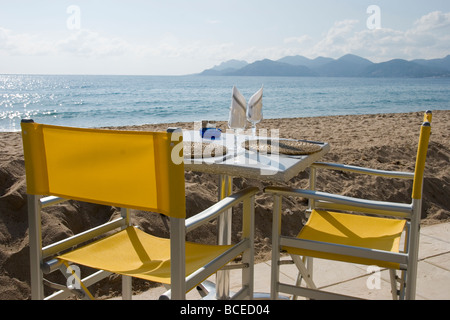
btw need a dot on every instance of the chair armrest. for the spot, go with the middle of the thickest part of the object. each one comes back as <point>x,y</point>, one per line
<point>362,170</point>
<point>215,210</point>
<point>391,208</point>
<point>367,253</point>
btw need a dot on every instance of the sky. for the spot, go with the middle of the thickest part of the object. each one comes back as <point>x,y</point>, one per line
<point>177,37</point>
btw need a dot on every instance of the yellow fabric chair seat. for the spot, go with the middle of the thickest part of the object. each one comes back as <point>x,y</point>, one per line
<point>135,253</point>
<point>351,230</point>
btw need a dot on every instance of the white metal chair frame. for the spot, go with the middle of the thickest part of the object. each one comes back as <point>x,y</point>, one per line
<point>42,261</point>
<point>408,259</point>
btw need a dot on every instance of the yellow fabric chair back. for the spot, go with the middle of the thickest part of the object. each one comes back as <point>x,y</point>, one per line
<point>425,132</point>
<point>130,169</point>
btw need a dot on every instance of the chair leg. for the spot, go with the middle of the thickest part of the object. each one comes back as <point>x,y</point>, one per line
<point>411,273</point>
<point>178,259</point>
<point>402,284</point>
<point>276,229</point>
<point>309,266</point>
<point>397,284</point>
<point>35,242</point>
<point>127,291</point>
<point>304,266</point>
<point>275,269</point>
<point>248,254</point>
<point>394,290</point>
<point>224,223</point>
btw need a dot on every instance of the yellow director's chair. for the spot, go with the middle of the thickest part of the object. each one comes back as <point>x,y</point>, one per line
<point>336,230</point>
<point>128,170</point>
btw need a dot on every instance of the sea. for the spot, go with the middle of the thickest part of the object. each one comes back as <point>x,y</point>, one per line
<point>104,100</point>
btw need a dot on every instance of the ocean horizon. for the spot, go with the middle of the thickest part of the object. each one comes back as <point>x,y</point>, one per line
<point>108,100</point>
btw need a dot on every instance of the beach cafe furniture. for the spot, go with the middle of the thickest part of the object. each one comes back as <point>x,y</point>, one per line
<point>266,158</point>
<point>335,231</point>
<point>128,170</point>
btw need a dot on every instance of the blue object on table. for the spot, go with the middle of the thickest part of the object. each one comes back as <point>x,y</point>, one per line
<point>210,133</point>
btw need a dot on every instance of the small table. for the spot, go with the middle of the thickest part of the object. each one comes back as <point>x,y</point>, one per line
<point>241,162</point>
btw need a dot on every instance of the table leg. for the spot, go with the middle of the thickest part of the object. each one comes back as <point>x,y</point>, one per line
<point>312,186</point>
<point>224,237</point>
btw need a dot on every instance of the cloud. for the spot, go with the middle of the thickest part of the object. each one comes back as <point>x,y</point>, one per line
<point>298,40</point>
<point>81,42</point>
<point>79,46</point>
<point>428,37</point>
<point>23,44</point>
<point>434,21</point>
<point>336,41</point>
<point>87,43</point>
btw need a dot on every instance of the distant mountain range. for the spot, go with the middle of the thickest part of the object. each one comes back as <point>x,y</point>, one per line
<point>347,66</point>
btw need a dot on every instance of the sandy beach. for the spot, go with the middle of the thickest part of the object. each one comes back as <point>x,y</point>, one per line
<point>382,141</point>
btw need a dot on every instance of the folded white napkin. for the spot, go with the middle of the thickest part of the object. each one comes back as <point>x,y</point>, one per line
<point>254,109</point>
<point>237,119</point>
